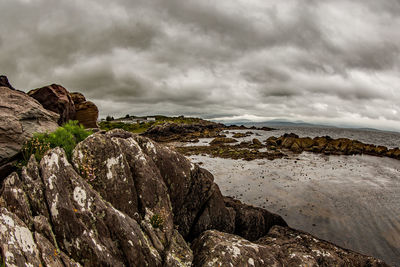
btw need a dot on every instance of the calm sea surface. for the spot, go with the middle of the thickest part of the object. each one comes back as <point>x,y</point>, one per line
<point>352,201</point>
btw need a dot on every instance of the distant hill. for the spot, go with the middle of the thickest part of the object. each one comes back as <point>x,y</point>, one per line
<point>279,123</point>
<point>288,123</point>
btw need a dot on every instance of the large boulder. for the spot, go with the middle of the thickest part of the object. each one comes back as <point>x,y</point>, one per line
<point>20,117</point>
<point>87,114</point>
<point>281,247</point>
<point>57,99</point>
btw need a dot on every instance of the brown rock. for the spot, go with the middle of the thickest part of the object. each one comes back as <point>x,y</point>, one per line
<point>57,99</point>
<point>239,135</point>
<point>394,153</point>
<point>257,142</point>
<point>381,150</point>
<point>87,114</point>
<point>222,140</point>
<point>77,97</point>
<point>5,83</point>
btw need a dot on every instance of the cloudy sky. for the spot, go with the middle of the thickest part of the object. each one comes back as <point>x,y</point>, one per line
<point>331,61</point>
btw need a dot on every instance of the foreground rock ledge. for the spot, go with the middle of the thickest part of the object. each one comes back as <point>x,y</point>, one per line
<point>127,201</point>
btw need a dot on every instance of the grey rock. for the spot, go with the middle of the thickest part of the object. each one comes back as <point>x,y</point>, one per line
<point>283,246</point>
<point>20,117</point>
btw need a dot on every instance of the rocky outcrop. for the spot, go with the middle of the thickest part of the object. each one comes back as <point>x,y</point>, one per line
<point>70,106</point>
<point>87,114</point>
<point>329,146</point>
<point>57,99</point>
<point>136,205</point>
<point>222,147</point>
<point>4,82</point>
<point>78,98</point>
<point>168,132</point>
<point>191,131</point>
<point>281,247</point>
<point>20,117</point>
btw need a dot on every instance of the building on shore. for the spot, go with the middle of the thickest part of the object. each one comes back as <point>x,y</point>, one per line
<point>134,120</point>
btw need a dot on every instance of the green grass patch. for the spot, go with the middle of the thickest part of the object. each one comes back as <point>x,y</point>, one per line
<point>157,221</point>
<point>66,137</point>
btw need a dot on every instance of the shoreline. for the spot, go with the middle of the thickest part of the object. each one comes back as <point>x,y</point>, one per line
<point>337,198</point>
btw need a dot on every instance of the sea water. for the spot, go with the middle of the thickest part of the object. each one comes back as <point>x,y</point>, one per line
<point>352,201</point>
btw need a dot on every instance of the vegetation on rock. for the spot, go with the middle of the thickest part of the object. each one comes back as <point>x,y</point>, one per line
<point>111,124</point>
<point>66,137</point>
<point>157,221</point>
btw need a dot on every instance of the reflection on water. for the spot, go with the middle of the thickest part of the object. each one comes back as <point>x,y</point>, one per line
<point>352,201</point>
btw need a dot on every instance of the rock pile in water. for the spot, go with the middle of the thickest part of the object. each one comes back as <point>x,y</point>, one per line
<point>329,146</point>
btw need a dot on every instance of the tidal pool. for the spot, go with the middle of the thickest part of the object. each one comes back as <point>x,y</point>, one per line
<point>352,201</point>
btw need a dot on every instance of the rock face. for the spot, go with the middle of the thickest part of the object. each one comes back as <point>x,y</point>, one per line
<point>281,247</point>
<point>70,106</point>
<point>78,97</point>
<point>20,117</point>
<point>57,99</point>
<point>87,114</point>
<point>138,205</point>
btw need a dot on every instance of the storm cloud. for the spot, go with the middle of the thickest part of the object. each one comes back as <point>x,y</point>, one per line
<point>333,61</point>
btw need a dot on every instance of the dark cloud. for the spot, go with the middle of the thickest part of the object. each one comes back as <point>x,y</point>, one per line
<point>334,60</point>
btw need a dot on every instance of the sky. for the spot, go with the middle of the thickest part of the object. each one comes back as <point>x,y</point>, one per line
<point>321,61</point>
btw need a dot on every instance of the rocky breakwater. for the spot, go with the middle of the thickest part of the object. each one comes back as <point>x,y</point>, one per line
<point>140,204</point>
<point>20,117</point>
<point>329,146</point>
<point>70,106</point>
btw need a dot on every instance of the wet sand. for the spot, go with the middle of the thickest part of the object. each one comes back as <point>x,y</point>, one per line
<point>353,201</point>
